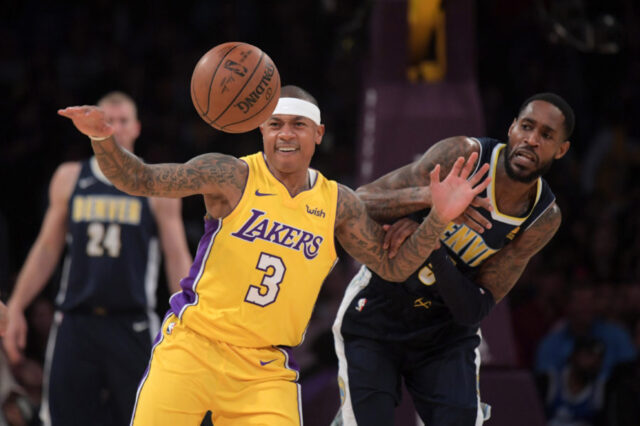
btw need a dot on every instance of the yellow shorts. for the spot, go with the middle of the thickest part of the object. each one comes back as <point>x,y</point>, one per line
<point>189,375</point>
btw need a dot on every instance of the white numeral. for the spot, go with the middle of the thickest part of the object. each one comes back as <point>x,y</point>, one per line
<point>274,270</point>
<point>99,240</point>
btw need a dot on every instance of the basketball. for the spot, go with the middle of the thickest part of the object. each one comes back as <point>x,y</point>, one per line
<point>235,87</point>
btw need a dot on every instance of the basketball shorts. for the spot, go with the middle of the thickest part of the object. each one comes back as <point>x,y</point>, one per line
<point>189,374</point>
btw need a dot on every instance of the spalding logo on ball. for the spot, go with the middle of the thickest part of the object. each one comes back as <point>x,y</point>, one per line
<point>235,87</point>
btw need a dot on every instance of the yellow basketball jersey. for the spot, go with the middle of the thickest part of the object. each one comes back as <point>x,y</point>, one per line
<point>258,271</point>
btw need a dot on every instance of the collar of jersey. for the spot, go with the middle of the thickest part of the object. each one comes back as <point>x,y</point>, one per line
<point>311,174</point>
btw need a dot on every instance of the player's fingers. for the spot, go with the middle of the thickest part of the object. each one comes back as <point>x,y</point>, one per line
<point>457,167</point>
<point>387,236</point>
<point>479,175</point>
<point>469,165</point>
<point>470,223</point>
<point>69,112</point>
<point>482,202</point>
<point>482,186</point>
<point>435,174</point>
<point>403,232</point>
<point>478,218</point>
<point>10,347</point>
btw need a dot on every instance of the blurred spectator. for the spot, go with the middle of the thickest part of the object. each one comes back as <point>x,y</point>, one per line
<point>622,403</point>
<point>574,395</point>
<point>581,321</point>
<point>535,317</point>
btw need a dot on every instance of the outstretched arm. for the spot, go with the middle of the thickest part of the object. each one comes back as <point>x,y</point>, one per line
<point>213,174</point>
<point>406,190</point>
<point>363,238</point>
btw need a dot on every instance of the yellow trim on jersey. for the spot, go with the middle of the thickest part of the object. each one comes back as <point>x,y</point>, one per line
<point>491,192</point>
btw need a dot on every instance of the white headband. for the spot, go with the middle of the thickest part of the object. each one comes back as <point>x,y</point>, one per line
<point>295,106</point>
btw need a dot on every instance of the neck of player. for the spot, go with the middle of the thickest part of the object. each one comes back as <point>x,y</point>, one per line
<point>512,197</point>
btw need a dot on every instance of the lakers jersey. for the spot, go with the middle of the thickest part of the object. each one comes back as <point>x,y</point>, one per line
<point>414,310</point>
<point>258,271</point>
<point>113,253</point>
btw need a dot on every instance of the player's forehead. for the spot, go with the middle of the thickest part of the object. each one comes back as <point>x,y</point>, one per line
<point>544,113</point>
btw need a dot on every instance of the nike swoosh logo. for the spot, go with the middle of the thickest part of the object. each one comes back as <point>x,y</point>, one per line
<point>86,182</point>
<point>263,363</point>
<point>262,194</point>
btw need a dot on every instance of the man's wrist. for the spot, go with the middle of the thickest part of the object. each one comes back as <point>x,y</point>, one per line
<point>436,221</point>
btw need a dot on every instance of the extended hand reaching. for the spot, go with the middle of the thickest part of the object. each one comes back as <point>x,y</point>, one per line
<point>451,197</point>
<point>89,120</point>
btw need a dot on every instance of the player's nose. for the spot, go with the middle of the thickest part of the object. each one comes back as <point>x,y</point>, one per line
<point>286,132</point>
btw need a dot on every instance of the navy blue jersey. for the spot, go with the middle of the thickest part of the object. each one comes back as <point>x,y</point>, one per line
<point>112,248</point>
<point>414,311</point>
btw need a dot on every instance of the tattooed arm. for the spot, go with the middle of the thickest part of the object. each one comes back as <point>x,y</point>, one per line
<point>363,238</point>
<point>215,175</point>
<point>406,189</point>
<point>501,271</point>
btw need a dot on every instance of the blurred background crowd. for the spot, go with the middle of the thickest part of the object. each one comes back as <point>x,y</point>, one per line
<point>584,288</point>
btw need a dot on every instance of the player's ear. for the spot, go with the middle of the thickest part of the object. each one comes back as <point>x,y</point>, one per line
<point>564,147</point>
<point>319,134</point>
<point>513,126</point>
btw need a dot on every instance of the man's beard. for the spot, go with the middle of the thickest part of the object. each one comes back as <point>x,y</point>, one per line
<point>519,177</point>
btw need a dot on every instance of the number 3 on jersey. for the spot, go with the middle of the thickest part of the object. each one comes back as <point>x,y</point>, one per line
<point>274,270</point>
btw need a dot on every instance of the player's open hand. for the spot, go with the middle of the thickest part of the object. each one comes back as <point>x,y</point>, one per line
<point>89,120</point>
<point>451,197</point>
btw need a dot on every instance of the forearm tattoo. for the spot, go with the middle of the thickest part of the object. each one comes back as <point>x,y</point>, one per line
<point>402,192</point>
<point>127,172</point>
<point>363,239</point>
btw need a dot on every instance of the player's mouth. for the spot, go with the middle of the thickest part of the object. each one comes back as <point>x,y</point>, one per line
<point>287,149</point>
<point>524,157</point>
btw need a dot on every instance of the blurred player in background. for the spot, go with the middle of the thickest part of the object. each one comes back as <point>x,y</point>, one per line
<point>101,337</point>
<point>427,330</point>
<point>267,247</point>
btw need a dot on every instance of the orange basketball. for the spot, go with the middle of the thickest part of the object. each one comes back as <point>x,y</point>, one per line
<point>235,87</point>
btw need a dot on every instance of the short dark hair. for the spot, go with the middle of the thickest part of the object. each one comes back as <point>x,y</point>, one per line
<point>558,102</point>
<point>291,91</point>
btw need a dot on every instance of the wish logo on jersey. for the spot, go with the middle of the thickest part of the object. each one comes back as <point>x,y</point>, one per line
<point>275,232</point>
